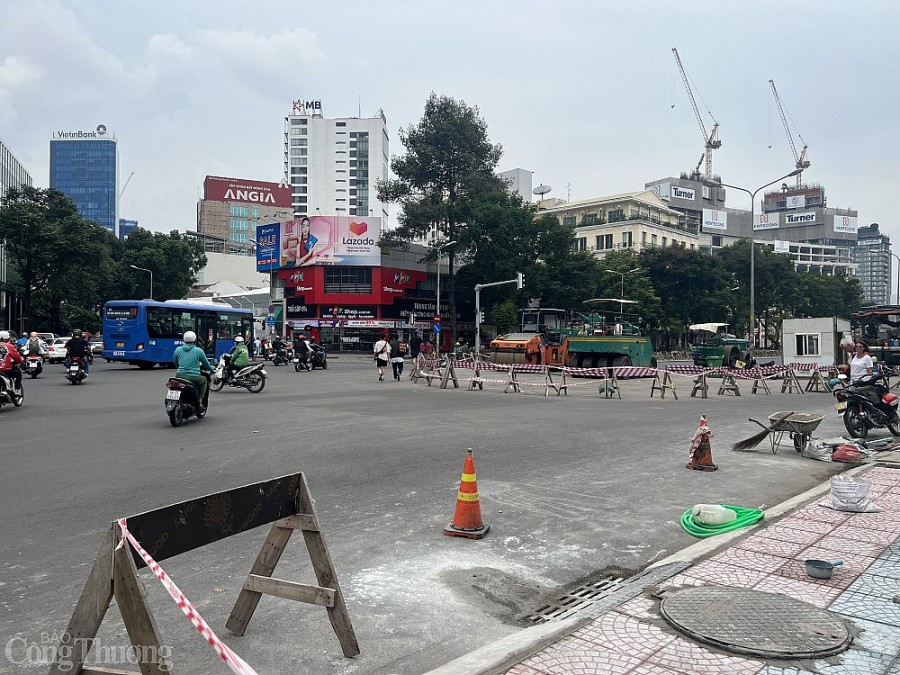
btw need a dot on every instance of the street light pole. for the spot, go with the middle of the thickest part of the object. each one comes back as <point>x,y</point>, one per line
<point>150,272</point>
<point>437,312</point>
<point>622,296</point>
<point>752,328</point>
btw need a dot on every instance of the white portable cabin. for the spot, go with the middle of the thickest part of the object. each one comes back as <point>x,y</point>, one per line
<point>815,341</point>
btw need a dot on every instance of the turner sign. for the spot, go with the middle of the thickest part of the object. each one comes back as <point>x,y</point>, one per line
<point>219,189</point>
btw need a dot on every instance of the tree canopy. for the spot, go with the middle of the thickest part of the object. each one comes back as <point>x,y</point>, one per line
<point>65,267</point>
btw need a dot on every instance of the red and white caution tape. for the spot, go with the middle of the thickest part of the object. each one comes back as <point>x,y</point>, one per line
<point>235,663</point>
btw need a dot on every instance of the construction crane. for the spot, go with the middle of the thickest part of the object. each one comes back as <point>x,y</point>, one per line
<point>127,181</point>
<point>711,141</point>
<point>801,161</point>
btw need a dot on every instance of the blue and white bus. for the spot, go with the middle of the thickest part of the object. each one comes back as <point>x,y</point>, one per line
<point>145,332</point>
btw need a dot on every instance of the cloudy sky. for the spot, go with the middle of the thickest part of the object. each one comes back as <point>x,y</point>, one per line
<point>584,93</point>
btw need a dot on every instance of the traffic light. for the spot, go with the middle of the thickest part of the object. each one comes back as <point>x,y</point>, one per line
<point>520,280</point>
<point>480,317</point>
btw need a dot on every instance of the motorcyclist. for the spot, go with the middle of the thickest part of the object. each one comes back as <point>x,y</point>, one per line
<point>303,350</point>
<point>189,359</point>
<point>79,347</point>
<point>278,348</point>
<point>10,360</point>
<point>35,346</point>
<point>861,365</point>
<point>239,357</point>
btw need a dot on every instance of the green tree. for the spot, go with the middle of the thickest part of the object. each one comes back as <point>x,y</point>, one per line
<point>61,258</point>
<point>173,258</point>
<point>506,317</point>
<point>448,159</point>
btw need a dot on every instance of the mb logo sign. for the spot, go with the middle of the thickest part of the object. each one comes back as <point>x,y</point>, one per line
<point>307,107</point>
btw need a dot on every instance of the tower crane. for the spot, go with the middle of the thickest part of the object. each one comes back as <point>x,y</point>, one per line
<point>800,161</point>
<point>711,141</point>
<point>127,181</point>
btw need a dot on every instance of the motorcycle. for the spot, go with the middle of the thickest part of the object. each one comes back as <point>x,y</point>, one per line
<point>252,377</point>
<point>34,365</point>
<point>183,400</point>
<point>867,404</point>
<point>75,370</point>
<point>7,393</point>
<point>319,357</point>
<point>281,357</point>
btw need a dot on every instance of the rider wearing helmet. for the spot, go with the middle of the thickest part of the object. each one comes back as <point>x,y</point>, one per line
<point>302,350</point>
<point>239,357</point>
<point>188,360</point>
<point>9,357</point>
<point>79,347</point>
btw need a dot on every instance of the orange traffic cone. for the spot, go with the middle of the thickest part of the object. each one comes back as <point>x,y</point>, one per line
<point>467,518</point>
<point>700,452</point>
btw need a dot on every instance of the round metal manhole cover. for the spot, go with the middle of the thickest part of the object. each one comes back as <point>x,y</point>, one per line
<point>755,623</point>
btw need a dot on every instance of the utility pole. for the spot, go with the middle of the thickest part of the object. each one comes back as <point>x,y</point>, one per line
<point>519,281</point>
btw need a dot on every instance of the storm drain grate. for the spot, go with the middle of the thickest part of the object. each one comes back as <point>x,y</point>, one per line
<point>576,600</point>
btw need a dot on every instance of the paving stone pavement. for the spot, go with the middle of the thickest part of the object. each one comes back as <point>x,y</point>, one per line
<point>632,639</point>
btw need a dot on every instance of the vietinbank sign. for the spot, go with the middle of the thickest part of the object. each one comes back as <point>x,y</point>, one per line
<point>99,132</point>
<point>319,240</point>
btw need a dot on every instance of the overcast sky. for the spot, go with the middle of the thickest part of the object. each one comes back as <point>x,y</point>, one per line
<point>584,93</point>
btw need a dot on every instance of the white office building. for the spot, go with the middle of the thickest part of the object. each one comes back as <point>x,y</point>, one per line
<point>12,175</point>
<point>333,164</point>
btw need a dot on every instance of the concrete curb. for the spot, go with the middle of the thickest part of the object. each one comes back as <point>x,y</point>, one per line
<point>500,656</point>
<point>503,654</point>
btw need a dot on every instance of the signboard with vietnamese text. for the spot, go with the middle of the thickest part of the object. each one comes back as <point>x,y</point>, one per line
<point>221,189</point>
<point>267,239</point>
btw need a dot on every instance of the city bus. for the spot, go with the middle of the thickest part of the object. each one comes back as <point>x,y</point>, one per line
<point>145,332</point>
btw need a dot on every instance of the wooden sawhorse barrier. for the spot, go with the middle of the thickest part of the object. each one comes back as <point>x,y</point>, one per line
<point>790,383</point>
<point>729,385</point>
<point>178,528</point>
<point>661,384</point>
<point>560,387</point>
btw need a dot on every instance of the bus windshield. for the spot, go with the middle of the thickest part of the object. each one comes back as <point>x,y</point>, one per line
<point>145,332</point>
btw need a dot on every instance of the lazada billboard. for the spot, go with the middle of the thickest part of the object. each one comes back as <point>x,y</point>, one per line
<point>321,240</point>
<point>220,189</point>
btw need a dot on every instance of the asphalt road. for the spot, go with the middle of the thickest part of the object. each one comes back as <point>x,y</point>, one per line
<point>571,486</point>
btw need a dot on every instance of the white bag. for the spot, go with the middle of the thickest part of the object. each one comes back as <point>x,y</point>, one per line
<point>851,494</point>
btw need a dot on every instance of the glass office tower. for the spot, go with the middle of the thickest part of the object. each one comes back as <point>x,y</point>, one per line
<point>85,170</point>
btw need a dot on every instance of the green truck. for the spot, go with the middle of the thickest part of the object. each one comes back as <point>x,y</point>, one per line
<point>716,347</point>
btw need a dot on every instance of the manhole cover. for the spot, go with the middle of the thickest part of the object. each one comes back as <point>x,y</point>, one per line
<point>755,623</point>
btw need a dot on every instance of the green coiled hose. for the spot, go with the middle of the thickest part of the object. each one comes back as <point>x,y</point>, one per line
<point>745,517</point>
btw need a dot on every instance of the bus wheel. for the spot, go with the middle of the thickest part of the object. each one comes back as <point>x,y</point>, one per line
<point>143,365</point>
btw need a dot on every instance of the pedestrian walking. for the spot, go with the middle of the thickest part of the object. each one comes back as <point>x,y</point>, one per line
<point>398,350</point>
<point>415,345</point>
<point>382,350</point>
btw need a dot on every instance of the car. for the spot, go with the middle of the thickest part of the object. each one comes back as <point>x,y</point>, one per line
<point>47,337</point>
<point>96,343</point>
<point>56,350</point>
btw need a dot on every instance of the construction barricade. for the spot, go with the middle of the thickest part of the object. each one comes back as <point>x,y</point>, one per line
<point>149,537</point>
<point>817,375</point>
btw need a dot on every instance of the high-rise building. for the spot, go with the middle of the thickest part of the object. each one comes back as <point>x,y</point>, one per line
<point>332,165</point>
<point>126,227</point>
<point>872,257</point>
<point>84,166</point>
<point>12,174</point>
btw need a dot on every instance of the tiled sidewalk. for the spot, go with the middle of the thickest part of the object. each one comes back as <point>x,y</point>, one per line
<point>634,639</point>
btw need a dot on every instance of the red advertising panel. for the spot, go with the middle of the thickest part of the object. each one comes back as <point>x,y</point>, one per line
<point>220,189</point>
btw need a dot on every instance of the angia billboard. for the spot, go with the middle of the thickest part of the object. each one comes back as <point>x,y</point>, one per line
<point>221,189</point>
<point>330,240</point>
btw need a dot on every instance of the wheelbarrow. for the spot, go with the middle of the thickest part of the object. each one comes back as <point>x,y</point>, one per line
<point>799,427</point>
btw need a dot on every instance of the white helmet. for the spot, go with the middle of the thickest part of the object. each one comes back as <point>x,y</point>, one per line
<point>190,336</point>
<point>239,339</point>
<point>4,335</point>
